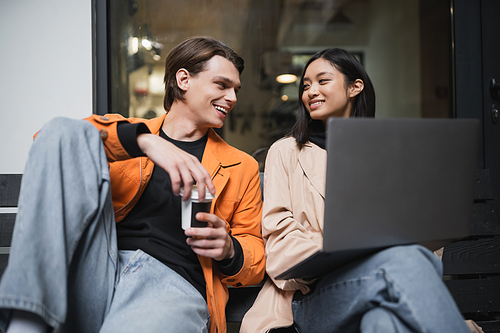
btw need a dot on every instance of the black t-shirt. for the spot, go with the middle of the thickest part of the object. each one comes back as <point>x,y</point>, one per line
<point>154,224</point>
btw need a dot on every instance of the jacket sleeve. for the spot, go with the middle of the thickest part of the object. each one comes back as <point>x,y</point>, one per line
<point>245,227</point>
<point>115,145</point>
<point>287,241</point>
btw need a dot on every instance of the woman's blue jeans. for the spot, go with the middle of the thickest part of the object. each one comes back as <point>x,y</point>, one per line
<point>64,265</point>
<point>396,290</point>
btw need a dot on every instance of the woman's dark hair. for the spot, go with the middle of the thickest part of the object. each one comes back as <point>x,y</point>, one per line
<point>364,103</point>
<point>192,55</point>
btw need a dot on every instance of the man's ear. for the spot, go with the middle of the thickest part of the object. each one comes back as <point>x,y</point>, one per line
<point>182,77</point>
<point>356,87</point>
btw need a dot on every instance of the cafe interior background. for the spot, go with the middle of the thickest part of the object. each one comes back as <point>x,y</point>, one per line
<point>405,46</point>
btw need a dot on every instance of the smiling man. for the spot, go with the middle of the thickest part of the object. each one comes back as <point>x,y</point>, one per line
<point>86,273</point>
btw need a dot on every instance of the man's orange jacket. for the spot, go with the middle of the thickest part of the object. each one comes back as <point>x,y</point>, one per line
<point>238,201</point>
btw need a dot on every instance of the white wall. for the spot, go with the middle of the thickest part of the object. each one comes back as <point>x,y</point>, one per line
<point>46,70</point>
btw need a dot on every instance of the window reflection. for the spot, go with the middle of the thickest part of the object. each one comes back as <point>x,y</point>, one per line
<point>404,46</point>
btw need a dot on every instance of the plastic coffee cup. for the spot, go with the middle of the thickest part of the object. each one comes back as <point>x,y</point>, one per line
<point>191,207</point>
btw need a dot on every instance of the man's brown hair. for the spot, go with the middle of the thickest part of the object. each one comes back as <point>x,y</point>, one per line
<point>192,55</point>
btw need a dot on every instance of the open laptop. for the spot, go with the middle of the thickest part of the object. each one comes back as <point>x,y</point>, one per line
<point>392,182</point>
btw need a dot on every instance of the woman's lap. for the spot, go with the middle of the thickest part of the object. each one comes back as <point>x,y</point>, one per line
<point>405,282</point>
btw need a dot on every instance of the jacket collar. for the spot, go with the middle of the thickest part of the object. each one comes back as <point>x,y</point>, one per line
<point>216,160</point>
<point>218,152</point>
<point>312,160</point>
<point>154,124</point>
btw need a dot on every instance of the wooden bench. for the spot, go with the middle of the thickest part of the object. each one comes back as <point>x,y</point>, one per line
<point>241,299</point>
<point>471,266</point>
<point>9,192</point>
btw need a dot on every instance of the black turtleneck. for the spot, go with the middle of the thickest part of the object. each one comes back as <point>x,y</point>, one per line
<point>319,139</point>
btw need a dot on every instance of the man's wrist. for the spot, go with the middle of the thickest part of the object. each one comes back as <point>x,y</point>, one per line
<point>233,265</point>
<point>230,254</point>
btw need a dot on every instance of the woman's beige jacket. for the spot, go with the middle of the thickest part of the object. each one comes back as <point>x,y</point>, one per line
<point>292,227</point>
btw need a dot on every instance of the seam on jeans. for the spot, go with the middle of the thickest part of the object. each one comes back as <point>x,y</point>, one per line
<point>136,262</point>
<point>131,264</point>
<point>207,324</point>
<point>394,289</point>
<point>84,227</point>
<point>108,231</point>
<point>112,250</point>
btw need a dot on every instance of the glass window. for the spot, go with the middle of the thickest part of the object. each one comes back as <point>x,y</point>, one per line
<point>405,47</point>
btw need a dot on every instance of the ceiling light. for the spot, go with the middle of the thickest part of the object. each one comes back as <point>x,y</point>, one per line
<point>286,78</point>
<point>147,44</point>
<point>133,45</point>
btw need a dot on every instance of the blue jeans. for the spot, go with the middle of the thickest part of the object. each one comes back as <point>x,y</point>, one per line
<point>151,297</point>
<point>64,264</point>
<point>396,290</point>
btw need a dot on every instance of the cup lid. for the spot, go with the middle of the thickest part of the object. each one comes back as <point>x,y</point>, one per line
<point>194,193</point>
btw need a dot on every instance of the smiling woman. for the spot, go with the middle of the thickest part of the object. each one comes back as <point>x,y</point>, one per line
<point>326,92</point>
<point>334,84</point>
